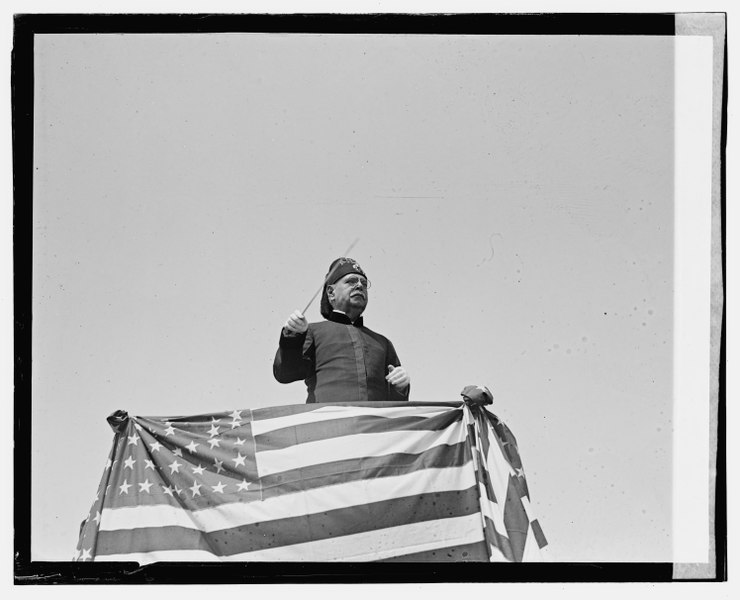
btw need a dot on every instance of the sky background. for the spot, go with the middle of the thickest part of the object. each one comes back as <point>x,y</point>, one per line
<point>512,197</point>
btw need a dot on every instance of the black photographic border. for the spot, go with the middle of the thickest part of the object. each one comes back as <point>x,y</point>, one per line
<point>22,81</point>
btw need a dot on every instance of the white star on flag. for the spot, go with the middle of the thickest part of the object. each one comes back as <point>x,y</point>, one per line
<point>133,439</point>
<point>237,414</point>
<point>177,452</point>
<point>170,430</point>
<point>235,424</point>
<point>175,467</point>
<point>214,443</point>
<point>243,485</point>
<point>195,489</point>
<point>218,488</point>
<point>85,554</point>
<point>218,464</point>
<point>149,464</point>
<point>239,442</point>
<point>156,446</point>
<point>124,487</point>
<point>129,462</point>
<point>213,430</point>
<point>192,446</point>
<point>167,490</point>
<point>144,487</point>
<point>239,460</point>
<point>198,470</point>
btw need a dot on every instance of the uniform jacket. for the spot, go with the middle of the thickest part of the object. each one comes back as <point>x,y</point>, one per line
<point>339,361</point>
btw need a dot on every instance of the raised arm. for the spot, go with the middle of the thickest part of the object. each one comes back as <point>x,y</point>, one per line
<point>293,360</point>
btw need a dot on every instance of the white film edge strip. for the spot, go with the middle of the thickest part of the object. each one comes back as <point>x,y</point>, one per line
<point>691,317</point>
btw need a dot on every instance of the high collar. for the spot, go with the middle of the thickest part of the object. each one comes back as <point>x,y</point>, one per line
<point>340,317</point>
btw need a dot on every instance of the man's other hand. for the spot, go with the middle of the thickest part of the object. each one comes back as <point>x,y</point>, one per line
<point>296,324</point>
<point>398,378</point>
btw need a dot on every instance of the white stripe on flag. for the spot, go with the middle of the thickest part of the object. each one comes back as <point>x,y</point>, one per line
<point>498,469</point>
<point>531,548</point>
<point>317,500</point>
<point>360,445</point>
<point>328,413</point>
<point>495,512</point>
<point>145,558</point>
<point>369,545</point>
<point>496,554</point>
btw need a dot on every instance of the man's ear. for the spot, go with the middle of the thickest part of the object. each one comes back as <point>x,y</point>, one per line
<point>330,292</point>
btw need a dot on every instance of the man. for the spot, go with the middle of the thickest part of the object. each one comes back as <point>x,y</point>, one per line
<point>340,359</point>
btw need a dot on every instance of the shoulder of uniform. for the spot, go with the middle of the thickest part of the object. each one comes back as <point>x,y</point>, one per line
<point>322,325</point>
<point>375,334</point>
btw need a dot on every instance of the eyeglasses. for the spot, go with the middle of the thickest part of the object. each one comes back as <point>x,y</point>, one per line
<point>353,281</point>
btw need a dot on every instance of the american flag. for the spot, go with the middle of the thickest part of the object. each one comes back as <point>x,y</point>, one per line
<point>405,481</point>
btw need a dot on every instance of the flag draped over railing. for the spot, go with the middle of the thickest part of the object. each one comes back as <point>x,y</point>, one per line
<point>407,481</point>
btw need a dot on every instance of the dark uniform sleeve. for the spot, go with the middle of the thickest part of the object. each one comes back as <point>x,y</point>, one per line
<point>294,358</point>
<point>391,358</point>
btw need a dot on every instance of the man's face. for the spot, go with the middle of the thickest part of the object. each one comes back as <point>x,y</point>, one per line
<point>349,293</point>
